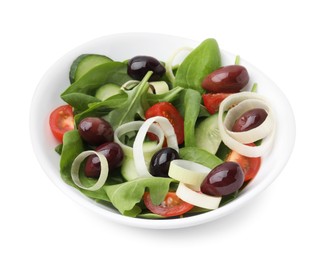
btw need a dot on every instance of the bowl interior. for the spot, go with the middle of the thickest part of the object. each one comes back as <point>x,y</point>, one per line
<point>124,46</point>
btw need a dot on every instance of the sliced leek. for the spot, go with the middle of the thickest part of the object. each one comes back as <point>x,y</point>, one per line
<point>195,198</point>
<point>103,173</point>
<point>188,172</point>
<point>237,141</point>
<point>135,126</point>
<point>138,153</point>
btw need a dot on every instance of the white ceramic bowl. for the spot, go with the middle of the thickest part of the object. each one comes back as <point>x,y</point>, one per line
<point>124,46</point>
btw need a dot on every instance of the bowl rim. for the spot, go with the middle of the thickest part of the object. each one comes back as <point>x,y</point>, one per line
<point>150,223</point>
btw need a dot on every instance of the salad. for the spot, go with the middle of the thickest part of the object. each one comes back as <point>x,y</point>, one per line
<point>154,139</point>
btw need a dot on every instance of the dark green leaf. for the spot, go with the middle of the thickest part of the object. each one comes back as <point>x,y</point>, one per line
<point>110,72</point>
<point>169,96</point>
<point>102,108</point>
<point>200,156</point>
<point>133,106</point>
<point>73,146</point>
<point>198,64</point>
<point>126,196</point>
<point>79,101</point>
<point>191,104</point>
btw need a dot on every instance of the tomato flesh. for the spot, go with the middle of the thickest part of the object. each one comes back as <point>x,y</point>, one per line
<point>171,206</point>
<point>249,165</point>
<point>61,121</point>
<point>167,110</point>
<point>212,101</point>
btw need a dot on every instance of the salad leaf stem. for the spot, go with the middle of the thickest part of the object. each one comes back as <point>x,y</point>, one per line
<point>191,103</point>
<point>134,105</point>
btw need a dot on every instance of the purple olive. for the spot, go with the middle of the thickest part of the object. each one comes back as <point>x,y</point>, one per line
<point>228,79</point>
<point>114,155</point>
<point>95,131</point>
<point>224,179</point>
<point>249,120</point>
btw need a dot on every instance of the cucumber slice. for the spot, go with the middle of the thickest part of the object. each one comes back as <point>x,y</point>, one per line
<point>84,63</point>
<point>208,135</point>
<point>128,168</point>
<point>107,90</point>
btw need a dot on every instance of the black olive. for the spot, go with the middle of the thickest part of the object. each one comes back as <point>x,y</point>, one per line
<point>138,67</point>
<point>160,162</point>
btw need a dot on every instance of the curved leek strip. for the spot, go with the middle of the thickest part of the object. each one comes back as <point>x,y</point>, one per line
<point>254,134</point>
<point>230,141</point>
<point>130,84</point>
<point>103,174</point>
<point>188,172</point>
<point>169,62</point>
<point>138,154</point>
<point>135,126</point>
<point>158,87</point>
<point>197,199</point>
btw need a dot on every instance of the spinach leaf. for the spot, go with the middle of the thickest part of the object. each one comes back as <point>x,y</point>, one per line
<point>72,146</point>
<point>228,198</point>
<point>200,156</point>
<point>198,64</point>
<point>191,103</point>
<point>134,105</point>
<point>79,101</point>
<point>110,72</point>
<point>102,108</point>
<point>223,151</point>
<point>165,97</point>
<point>126,196</point>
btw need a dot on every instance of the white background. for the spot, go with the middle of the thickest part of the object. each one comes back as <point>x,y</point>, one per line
<point>285,39</point>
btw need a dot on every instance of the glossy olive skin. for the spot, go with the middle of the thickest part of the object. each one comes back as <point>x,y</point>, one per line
<point>138,66</point>
<point>249,120</point>
<point>113,154</point>
<point>227,79</point>
<point>95,131</point>
<point>224,179</point>
<point>160,162</point>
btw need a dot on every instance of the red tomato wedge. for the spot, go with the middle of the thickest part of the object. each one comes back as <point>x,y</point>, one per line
<point>171,206</point>
<point>212,101</point>
<point>61,121</point>
<point>168,111</point>
<point>249,165</point>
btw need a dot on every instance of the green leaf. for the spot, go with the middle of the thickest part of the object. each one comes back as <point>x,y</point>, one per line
<point>228,198</point>
<point>200,156</point>
<point>198,64</point>
<point>110,72</point>
<point>165,97</point>
<point>72,146</point>
<point>126,196</point>
<point>79,101</point>
<point>191,103</point>
<point>102,108</point>
<point>134,105</point>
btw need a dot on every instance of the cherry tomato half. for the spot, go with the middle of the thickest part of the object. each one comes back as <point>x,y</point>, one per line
<point>168,111</point>
<point>171,206</point>
<point>61,121</point>
<point>249,165</point>
<point>212,101</point>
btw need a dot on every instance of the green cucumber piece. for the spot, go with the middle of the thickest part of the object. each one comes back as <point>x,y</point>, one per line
<point>208,135</point>
<point>84,63</point>
<point>108,90</point>
<point>128,168</point>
